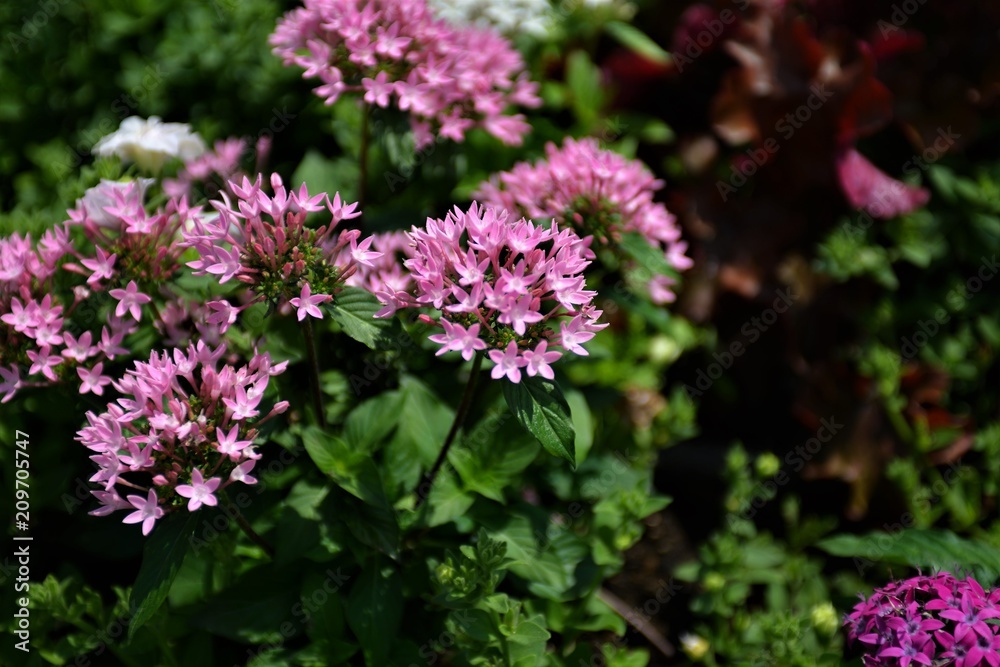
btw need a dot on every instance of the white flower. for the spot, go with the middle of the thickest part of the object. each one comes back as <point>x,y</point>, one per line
<point>509,17</point>
<point>103,195</point>
<point>150,143</point>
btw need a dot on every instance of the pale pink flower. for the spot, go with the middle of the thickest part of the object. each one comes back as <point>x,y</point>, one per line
<point>200,491</point>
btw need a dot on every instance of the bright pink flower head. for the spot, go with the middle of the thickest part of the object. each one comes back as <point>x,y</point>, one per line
<point>395,53</point>
<point>599,193</point>
<point>509,288</point>
<point>262,241</point>
<point>927,620</point>
<point>185,424</point>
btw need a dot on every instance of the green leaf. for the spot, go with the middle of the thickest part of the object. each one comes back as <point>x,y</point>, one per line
<point>583,423</point>
<point>373,521</point>
<point>373,420</point>
<point>541,408</point>
<point>637,41</point>
<point>930,549</point>
<point>647,256</point>
<point>583,78</point>
<point>255,605</point>
<point>328,175</point>
<point>374,612</point>
<point>354,310</point>
<point>161,560</point>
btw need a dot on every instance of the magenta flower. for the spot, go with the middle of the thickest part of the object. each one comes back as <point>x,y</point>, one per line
<point>927,620</point>
<point>130,300</point>
<point>599,193</point>
<point>199,491</point>
<point>394,52</point>
<point>147,510</point>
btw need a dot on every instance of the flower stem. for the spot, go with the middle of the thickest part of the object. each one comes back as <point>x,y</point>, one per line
<point>424,490</point>
<point>317,395</point>
<point>245,526</point>
<point>363,158</point>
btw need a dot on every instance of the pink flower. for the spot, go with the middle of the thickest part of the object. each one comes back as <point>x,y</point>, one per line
<point>223,314</point>
<point>44,363</point>
<point>458,338</point>
<point>92,379</point>
<point>508,363</point>
<point>309,304</point>
<point>537,361</point>
<point>229,443</point>
<point>130,300</point>
<point>11,382</point>
<point>199,491</point>
<point>147,511</point>
<point>241,473</point>
<point>103,266</point>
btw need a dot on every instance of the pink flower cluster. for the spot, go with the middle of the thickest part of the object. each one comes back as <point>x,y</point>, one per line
<point>183,431</point>
<point>264,242</point>
<point>600,193</point>
<point>385,276</point>
<point>928,620</point>
<point>449,79</point>
<point>501,286</point>
<point>67,334</point>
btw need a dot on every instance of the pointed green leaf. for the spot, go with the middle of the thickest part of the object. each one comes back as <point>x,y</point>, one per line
<point>649,257</point>
<point>161,560</point>
<point>637,41</point>
<point>920,548</point>
<point>541,408</point>
<point>354,310</point>
<point>375,611</point>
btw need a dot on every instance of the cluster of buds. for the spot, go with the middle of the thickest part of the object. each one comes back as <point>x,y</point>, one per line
<point>183,431</point>
<point>263,242</point>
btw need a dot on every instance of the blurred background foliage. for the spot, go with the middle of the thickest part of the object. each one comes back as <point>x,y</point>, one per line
<point>892,332</point>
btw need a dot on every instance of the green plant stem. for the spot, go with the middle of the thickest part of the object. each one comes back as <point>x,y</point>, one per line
<point>317,395</point>
<point>363,157</point>
<point>424,490</point>
<point>245,526</point>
